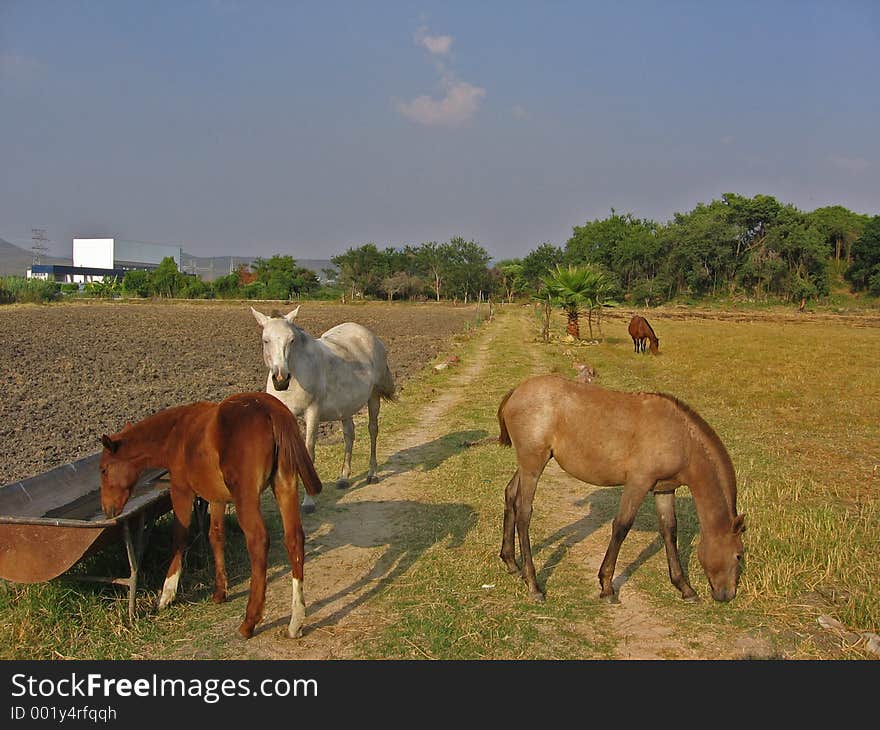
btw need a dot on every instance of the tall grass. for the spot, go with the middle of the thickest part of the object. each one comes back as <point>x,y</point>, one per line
<point>27,291</point>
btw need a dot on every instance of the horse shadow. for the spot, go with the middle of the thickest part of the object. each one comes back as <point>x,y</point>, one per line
<point>444,522</point>
<point>601,508</point>
<point>427,525</point>
<point>425,456</point>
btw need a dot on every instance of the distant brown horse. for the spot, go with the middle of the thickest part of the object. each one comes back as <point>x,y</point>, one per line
<point>644,441</point>
<point>642,333</point>
<point>222,452</point>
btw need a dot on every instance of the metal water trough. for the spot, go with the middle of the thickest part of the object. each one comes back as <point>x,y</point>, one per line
<point>50,522</point>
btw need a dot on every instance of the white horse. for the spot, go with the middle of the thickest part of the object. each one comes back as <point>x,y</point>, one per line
<point>328,379</point>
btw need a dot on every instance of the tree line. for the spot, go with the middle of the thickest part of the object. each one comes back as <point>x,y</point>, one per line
<point>736,246</point>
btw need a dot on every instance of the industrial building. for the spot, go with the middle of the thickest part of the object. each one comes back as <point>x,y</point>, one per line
<point>97,258</point>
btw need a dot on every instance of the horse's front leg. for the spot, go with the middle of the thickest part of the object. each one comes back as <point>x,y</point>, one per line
<point>632,497</point>
<point>182,504</point>
<point>348,439</point>
<point>508,549</point>
<point>664,503</point>
<point>373,425</point>
<point>247,508</point>
<point>311,419</point>
<point>216,536</point>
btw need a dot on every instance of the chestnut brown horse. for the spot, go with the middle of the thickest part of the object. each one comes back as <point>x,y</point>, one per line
<point>222,452</point>
<point>642,333</point>
<point>643,441</point>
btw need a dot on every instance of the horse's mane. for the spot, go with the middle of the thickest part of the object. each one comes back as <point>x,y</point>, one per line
<point>650,329</point>
<point>714,446</point>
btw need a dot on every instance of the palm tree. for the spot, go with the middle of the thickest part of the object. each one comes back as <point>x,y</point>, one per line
<point>576,289</point>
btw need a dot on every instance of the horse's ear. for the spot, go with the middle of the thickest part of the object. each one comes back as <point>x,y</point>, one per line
<point>109,443</point>
<point>290,316</point>
<point>260,317</point>
<point>739,524</point>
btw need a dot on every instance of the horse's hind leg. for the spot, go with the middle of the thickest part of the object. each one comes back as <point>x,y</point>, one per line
<point>630,499</point>
<point>348,439</point>
<point>182,503</point>
<point>664,503</point>
<point>373,425</point>
<point>528,483</point>
<point>248,510</point>
<point>508,548</point>
<point>216,536</point>
<point>294,541</point>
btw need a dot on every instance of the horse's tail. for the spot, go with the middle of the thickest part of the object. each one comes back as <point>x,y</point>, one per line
<point>387,388</point>
<point>503,436</point>
<point>293,456</point>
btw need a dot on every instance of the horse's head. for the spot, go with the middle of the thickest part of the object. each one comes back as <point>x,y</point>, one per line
<point>278,336</point>
<point>118,476</point>
<point>721,556</point>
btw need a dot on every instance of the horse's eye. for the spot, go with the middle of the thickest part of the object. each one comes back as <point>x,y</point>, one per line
<point>739,557</point>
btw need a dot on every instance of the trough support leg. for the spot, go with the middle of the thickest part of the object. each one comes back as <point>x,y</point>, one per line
<point>134,547</point>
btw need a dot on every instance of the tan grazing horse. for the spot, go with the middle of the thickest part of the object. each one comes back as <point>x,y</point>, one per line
<point>222,452</point>
<point>642,333</point>
<point>643,441</point>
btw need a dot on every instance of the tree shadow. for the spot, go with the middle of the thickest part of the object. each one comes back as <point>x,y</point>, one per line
<point>601,507</point>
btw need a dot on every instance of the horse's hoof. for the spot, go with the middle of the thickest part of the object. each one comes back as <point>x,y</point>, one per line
<point>246,631</point>
<point>219,597</point>
<point>514,570</point>
<point>297,634</point>
<point>537,597</point>
<point>308,509</point>
<point>691,599</point>
<point>611,599</point>
<point>343,484</point>
<point>373,479</point>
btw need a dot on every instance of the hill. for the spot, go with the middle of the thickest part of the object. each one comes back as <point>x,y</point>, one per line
<point>15,261</point>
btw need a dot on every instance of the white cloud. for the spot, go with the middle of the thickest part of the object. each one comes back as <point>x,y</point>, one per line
<point>460,100</point>
<point>438,45</point>
<point>849,164</point>
<point>458,105</point>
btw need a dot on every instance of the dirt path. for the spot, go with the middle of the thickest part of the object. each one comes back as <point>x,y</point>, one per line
<point>352,554</point>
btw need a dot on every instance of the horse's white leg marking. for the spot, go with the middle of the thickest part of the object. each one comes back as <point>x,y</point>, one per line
<point>348,439</point>
<point>297,611</point>
<point>169,589</point>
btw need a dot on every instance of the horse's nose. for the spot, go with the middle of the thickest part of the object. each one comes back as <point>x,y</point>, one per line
<point>111,511</point>
<point>280,382</point>
<point>724,595</point>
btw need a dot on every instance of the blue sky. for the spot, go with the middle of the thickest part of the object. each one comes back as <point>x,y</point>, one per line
<point>305,128</point>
